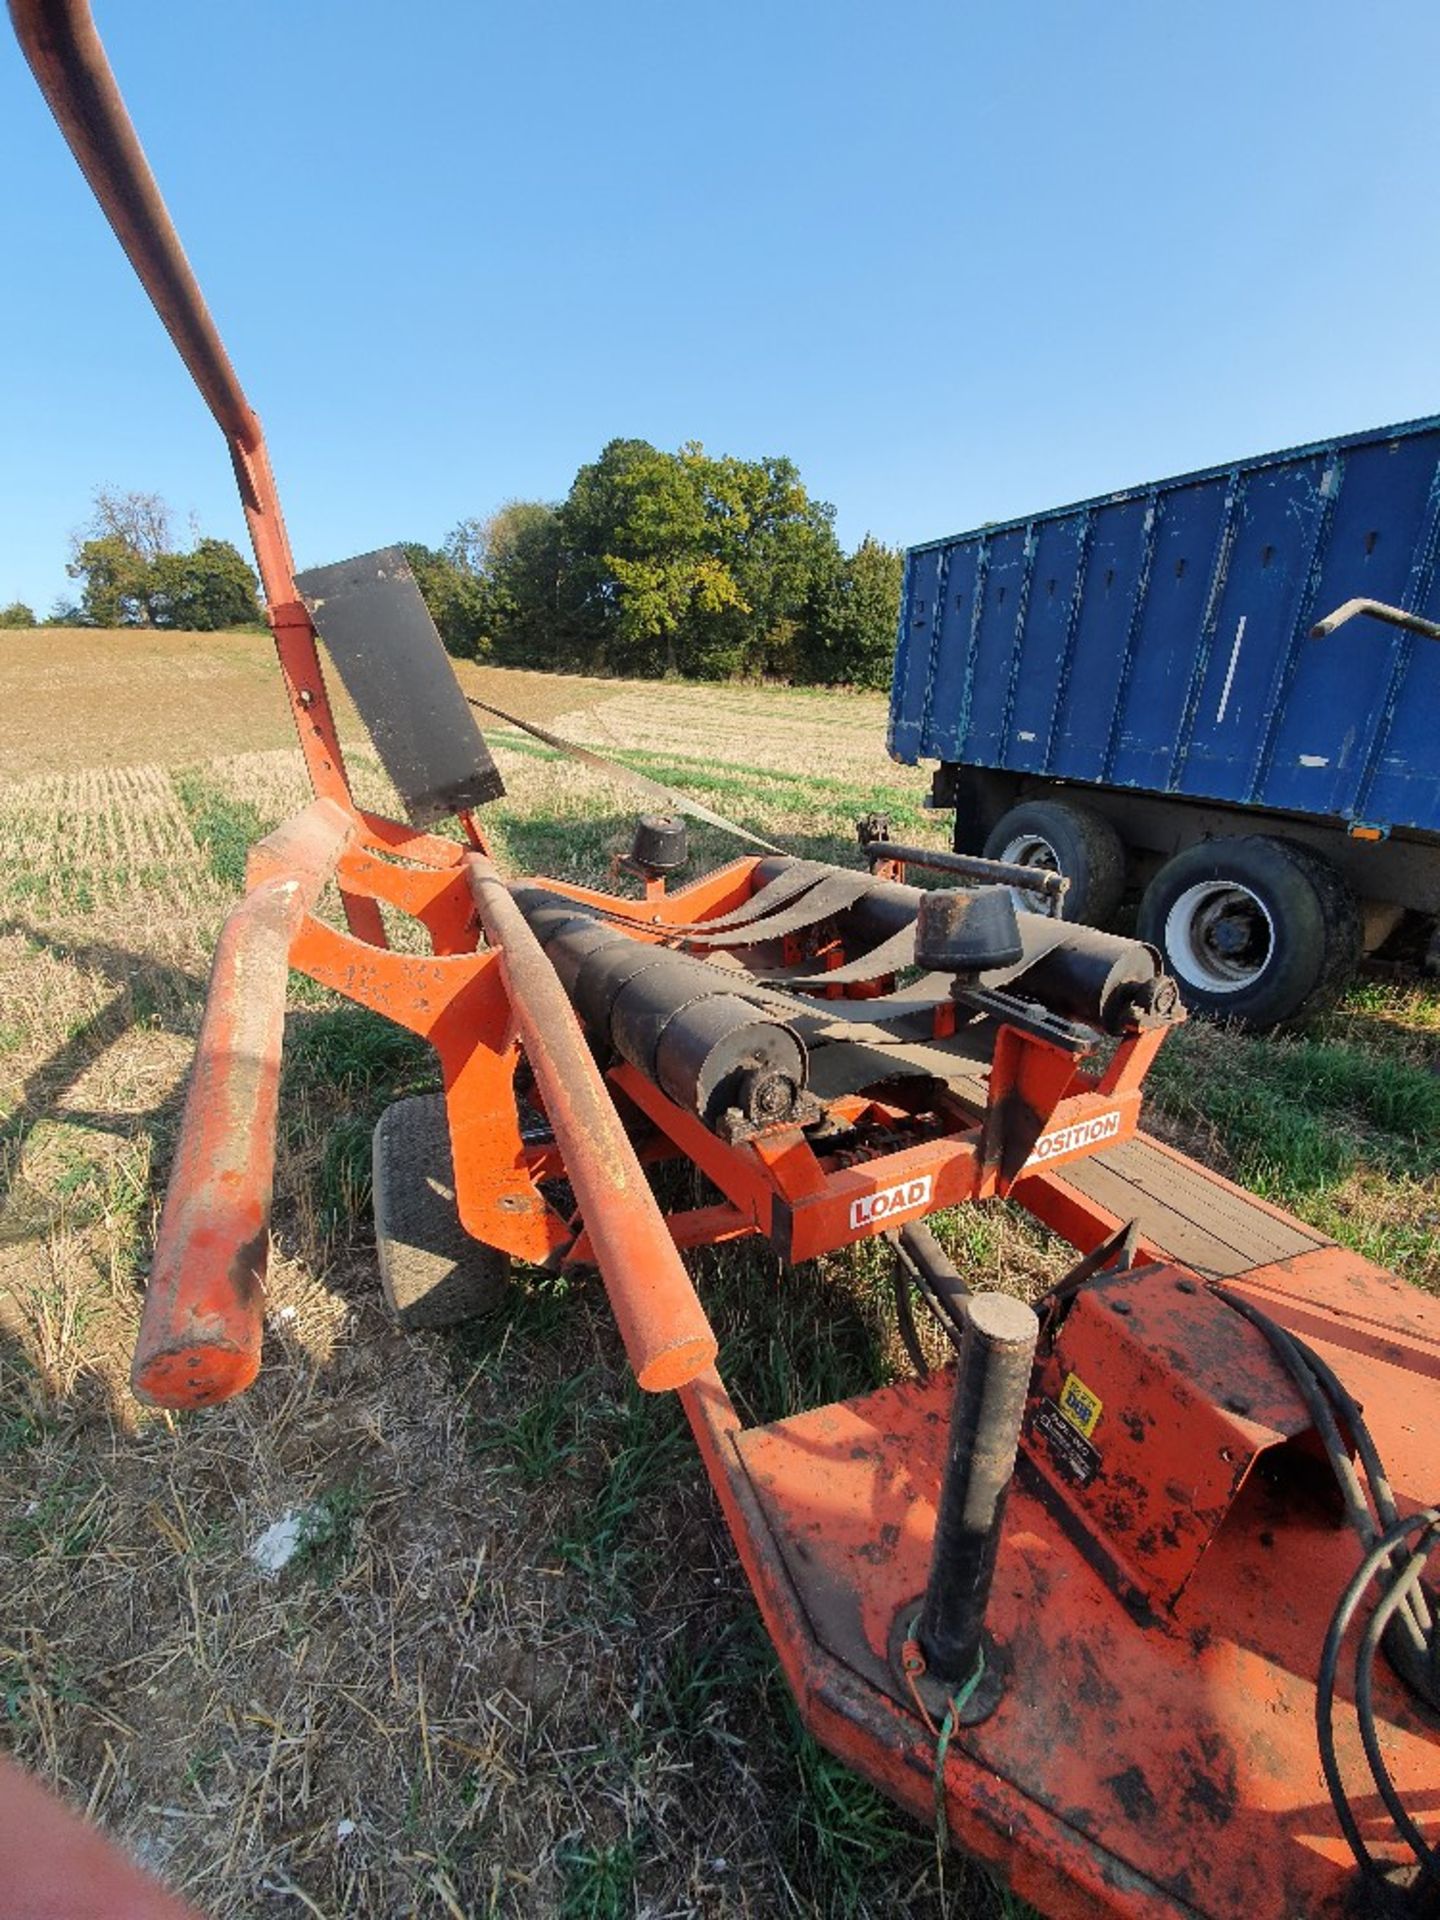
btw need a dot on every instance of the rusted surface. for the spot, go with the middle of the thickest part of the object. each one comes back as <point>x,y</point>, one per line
<point>59,40</point>
<point>667,1336</point>
<point>1065,1871</point>
<point>1175,1748</point>
<point>200,1331</point>
<point>1188,1401</point>
<point>204,1307</point>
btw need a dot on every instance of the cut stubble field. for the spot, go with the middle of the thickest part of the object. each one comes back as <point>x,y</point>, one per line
<point>510,1665</point>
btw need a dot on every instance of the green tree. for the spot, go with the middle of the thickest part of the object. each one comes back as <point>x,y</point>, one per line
<point>455,596</point>
<point>116,583</point>
<point>210,588</point>
<point>532,583</point>
<point>854,616</point>
<point>132,576</point>
<point>680,562</point>
<point>17,614</point>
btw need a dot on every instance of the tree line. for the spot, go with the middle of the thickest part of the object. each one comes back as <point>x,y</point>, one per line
<point>655,563</point>
<point>662,563</point>
<point>132,573</point>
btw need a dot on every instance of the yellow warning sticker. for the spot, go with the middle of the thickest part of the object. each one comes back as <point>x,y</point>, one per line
<point>1080,1406</point>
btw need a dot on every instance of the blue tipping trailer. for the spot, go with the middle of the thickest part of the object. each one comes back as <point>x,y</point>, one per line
<point>1143,659</point>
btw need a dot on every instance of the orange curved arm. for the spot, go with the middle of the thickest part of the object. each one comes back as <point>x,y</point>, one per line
<point>59,40</point>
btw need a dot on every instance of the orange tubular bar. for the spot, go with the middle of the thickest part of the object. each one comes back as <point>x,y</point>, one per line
<point>204,1310</point>
<point>59,40</point>
<point>667,1336</point>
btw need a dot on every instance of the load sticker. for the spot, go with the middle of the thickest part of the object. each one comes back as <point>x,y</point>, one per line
<point>905,1198</point>
<point>1083,1133</point>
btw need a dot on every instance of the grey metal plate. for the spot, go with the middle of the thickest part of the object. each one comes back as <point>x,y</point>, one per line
<point>1196,1220</point>
<point>378,631</point>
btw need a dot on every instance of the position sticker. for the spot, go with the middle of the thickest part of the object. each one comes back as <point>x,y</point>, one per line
<point>1072,1452</point>
<point>1084,1133</point>
<point>1080,1406</point>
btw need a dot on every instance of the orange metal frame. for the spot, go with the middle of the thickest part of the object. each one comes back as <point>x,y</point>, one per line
<point>201,1340</point>
<point>1152,1753</point>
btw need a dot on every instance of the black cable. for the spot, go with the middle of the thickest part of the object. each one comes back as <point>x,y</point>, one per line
<point>905,1320</point>
<point>920,1256</point>
<point>1411,1651</point>
<point>1408,1582</point>
<point>1428,1519</point>
<point>1118,1246</point>
<point>1322,1394</point>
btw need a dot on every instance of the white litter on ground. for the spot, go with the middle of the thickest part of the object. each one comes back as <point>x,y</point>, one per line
<point>279,1543</point>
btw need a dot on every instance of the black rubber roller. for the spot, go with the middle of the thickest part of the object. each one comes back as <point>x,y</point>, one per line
<point>649,1001</point>
<point>568,947</point>
<point>602,974</point>
<point>722,1052</point>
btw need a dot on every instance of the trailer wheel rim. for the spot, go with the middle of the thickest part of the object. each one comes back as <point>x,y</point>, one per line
<point>1032,850</point>
<point>1219,936</point>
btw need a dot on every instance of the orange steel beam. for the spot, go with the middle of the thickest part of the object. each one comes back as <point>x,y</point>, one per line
<point>667,1336</point>
<point>204,1312</point>
<point>59,40</point>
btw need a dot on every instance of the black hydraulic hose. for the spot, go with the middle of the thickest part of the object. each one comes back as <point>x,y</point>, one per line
<point>919,1254</point>
<point>1312,1379</point>
<point>1400,1590</point>
<point>1427,1519</point>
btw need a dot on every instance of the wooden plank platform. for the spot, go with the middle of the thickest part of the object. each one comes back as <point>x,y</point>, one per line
<point>1193,1215</point>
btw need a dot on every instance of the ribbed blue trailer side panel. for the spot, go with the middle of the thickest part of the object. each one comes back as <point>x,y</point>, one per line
<point>1158,638</point>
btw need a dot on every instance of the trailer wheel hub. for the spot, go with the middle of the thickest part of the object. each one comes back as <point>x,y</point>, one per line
<point>1219,936</point>
<point>1031,850</point>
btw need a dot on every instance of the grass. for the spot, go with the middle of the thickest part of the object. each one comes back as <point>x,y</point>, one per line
<point>1338,1125</point>
<point>225,829</point>
<point>514,1667</point>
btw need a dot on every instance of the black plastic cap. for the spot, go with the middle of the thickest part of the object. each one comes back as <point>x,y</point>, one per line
<point>661,844</point>
<point>967,932</point>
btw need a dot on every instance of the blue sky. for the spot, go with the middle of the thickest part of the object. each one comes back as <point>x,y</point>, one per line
<point>959,262</point>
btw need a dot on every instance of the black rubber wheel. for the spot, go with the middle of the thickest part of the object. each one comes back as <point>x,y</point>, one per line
<point>1254,929</point>
<point>433,1273</point>
<point>1063,837</point>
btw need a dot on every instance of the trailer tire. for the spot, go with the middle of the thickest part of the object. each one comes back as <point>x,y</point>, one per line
<point>433,1273</point>
<point>1254,928</point>
<point>1060,836</point>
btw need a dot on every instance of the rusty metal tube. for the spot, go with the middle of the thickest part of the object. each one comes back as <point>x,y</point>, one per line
<point>667,1336</point>
<point>201,1328</point>
<point>970,866</point>
<point>205,1305</point>
<point>59,40</point>
<point>991,1381</point>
